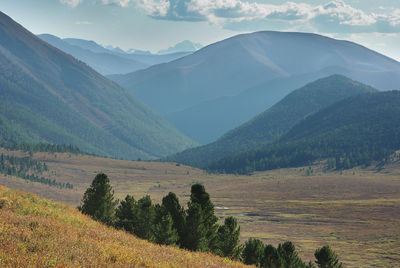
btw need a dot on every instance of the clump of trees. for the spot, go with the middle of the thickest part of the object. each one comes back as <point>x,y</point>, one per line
<point>286,256</point>
<point>28,169</point>
<point>42,147</point>
<point>195,228</point>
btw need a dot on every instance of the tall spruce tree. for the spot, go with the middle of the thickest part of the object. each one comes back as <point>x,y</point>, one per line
<point>145,218</point>
<point>195,230</point>
<point>171,203</point>
<point>208,219</point>
<point>163,231</point>
<point>271,258</point>
<point>253,251</point>
<point>98,200</point>
<point>228,239</point>
<point>126,214</point>
<point>327,258</point>
<point>289,255</point>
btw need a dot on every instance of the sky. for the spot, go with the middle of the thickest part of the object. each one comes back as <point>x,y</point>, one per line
<point>158,24</point>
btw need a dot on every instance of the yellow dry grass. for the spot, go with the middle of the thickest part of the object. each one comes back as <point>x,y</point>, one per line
<point>36,232</point>
<point>356,212</point>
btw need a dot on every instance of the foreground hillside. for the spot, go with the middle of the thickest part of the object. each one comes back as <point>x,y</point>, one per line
<point>38,232</point>
<point>49,96</point>
<point>275,121</point>
<point>354,211</point>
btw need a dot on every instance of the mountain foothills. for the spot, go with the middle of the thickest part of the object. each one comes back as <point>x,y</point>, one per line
<point>109,61</point>
<point>275,121</point>
<point>226,83</point>
<point>49,96</point>
<point>353,132</point>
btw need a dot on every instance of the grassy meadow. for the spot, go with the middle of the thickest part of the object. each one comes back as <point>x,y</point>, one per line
<point>356,211</point>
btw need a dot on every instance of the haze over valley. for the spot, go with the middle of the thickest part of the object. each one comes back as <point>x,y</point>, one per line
<point>199,133</point>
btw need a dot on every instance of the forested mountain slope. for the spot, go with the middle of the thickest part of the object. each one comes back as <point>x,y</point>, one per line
<point>351,132</point>
<point>275,121</point>
<point>49,96</point>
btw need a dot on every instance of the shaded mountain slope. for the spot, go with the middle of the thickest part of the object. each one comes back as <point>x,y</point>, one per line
<point>225,113</point>
<point>187,87</point>
<point>49,96</point>
<point>355,131</point>
<point>275,121</point>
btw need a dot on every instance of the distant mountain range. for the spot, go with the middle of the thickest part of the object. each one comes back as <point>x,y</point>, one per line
<point>270,125</point>
<point>109,60</point>
<point>353,132</point>
<point>187,46</point>
<point>97,57</point>
<point>49,96</point>
<point>223,85</point>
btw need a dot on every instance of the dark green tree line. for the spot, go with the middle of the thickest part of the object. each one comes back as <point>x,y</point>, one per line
<point>28,169</point>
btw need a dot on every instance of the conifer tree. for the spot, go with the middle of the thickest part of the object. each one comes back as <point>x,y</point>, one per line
<point>271,258</point>
<point>163,231</point>
<point>98,200</point>
<point>195,230</point>
<point>145,218</point>
<point>171,203</point>
<point>327,258</point>
<point>228,239</point>
<point>208,219</point>
<point>253,251</point>
<point>289,255</point>
<point>126,214</point>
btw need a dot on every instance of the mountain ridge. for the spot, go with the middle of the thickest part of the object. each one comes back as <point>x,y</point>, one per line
<point>52,97</point>
<point>269,125</point>
<point>187,87</point>
<point>355,131</point>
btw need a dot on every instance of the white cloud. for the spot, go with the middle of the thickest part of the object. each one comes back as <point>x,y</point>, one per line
<point>151,7</point>
<point>336,15</point>
<point>71,3</point>
<point>122,3</point>
<point>157,8</point>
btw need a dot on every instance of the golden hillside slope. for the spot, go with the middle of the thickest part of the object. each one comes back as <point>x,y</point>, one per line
<point>37,232</point>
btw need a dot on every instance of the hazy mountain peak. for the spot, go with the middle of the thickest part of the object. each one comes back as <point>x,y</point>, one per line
<point>138,51</point>
<point>86,44</point>
<point>185,45</point>
<point>224,84</point>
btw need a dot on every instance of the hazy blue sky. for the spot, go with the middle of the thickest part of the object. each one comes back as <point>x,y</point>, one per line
<point>158,24</point>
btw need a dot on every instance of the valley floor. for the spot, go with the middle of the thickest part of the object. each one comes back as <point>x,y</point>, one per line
<point>356,212</point>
